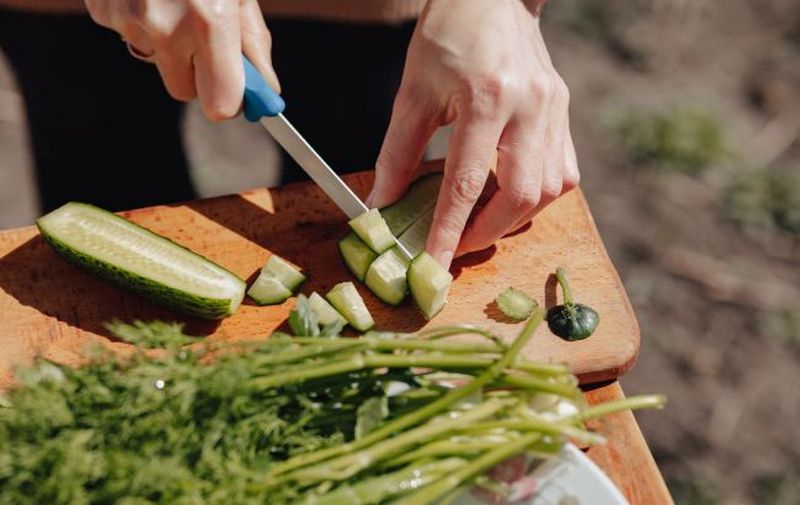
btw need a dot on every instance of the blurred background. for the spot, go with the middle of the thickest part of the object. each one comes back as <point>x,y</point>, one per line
<point>686,118</point>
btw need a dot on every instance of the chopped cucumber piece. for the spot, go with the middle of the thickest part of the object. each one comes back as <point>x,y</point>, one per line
<point>420,197</point>
<point>429,283</point>
<point>326,314</point>
<point>415,237</point>
<point>386,277</point>
<point>516,304</point>
<point>135,258</point>
<point>268,290</point>
<point>357,255</point>
<point>345,299</point>
<point>288,275</point>
<point>372,229</point>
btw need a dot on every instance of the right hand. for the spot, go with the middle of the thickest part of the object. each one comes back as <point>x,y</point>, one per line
<point>197,45</point>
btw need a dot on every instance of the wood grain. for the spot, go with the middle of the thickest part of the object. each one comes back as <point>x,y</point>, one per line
<point>625,457</point>
<point>50,308</point>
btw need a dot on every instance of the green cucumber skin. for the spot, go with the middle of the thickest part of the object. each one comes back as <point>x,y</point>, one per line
<point>180,301</point>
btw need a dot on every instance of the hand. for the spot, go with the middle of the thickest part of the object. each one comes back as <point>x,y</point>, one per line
<point>197,45</point>
<point>481,64</point>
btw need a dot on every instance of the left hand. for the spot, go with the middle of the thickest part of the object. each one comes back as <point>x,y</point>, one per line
<point>483,65</point>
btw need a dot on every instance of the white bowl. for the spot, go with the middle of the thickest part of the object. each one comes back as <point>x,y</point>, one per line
<point>571,478</point>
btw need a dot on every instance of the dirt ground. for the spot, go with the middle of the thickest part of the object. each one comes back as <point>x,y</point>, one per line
<point>718,306</point>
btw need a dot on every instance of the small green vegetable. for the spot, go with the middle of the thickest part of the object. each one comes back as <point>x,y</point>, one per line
<point>571,321</point>
<point>303,320</point>
<point>516,304</point>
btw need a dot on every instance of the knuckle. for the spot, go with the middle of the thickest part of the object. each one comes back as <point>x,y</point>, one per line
<point>524,198</point>
<point>490,93</point>
<point>467,188</point>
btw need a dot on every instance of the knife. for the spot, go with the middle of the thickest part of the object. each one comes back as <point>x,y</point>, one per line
<point>262,104</point>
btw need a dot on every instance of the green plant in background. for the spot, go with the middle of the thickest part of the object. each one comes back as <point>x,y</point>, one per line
<point>683,139</point>
<point>692,490</point>
<point>768,199</point>
<point>778,488</point>
<point>783,327</point>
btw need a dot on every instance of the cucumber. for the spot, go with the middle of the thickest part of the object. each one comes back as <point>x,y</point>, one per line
<point>373,230</point>
<point>135,258</point>
<point>268,290</point>
<point>415,237</point>
<point>326,314</point>
<point>288,275</point>
<point>386,277</point>
<point>515,304</point>
<point>357,255</point>
<point>429,283</point>
<point>419,197</point>
<point>345,299</point>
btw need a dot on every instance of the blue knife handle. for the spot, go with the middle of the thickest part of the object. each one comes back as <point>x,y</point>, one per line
<point>259,98</point>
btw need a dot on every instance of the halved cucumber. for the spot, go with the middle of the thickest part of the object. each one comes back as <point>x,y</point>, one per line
<point>345,299</point>
<point>288,275</point>
<point>386,277</point>
<point>419,197</point>
<point>326,314</point>
<point>135,258</point>
<point>268,290</point>
<point>357,255</point>
<point>372,229</point>
<point>429,283</point>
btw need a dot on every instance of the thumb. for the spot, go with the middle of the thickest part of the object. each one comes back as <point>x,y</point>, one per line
<point>409,131</point>
<point>257,42</point>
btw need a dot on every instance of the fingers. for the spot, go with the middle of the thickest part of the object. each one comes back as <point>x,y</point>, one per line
<point>471,151</point>
<point>403,147</point>
<point>519,187</point>
<point>257,41</point>
<point>218,70</point>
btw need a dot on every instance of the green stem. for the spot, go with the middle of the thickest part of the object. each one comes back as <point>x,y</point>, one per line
<point>445,448</point>
<point>535,425</point>
<point>632,403</point>
<point>409,344</point>
<point>561,275</point>
<point>478,466</point>
<point>346,466</point>
<point>537,384</point>
<point>423,413</point>
<point>460,329</point>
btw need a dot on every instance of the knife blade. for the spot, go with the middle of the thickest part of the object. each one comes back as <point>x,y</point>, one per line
<point>262,104</point>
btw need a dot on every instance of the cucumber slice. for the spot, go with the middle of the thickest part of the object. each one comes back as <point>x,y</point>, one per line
<point>345,299</point>
<point>288,275</point>
<point>372,229</point>
<point>386,277</point>
<point>268,290</point>
<point>135,258</point>
<point>429,283</point>
<point>415,237</point>
<point>326,314</point>
<point>357,255</point>
<point>516,304</point>
<point>420,197</point>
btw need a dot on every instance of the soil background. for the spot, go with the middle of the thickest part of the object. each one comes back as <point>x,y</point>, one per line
<point>718,304</point>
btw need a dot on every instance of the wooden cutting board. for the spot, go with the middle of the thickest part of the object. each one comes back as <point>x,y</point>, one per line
<point>50,308</point>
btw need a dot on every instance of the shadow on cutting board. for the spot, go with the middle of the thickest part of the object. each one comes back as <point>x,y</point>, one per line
<point>37,277</point>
